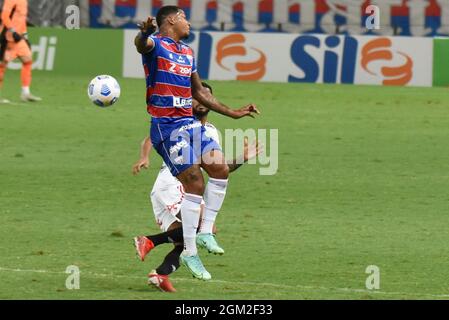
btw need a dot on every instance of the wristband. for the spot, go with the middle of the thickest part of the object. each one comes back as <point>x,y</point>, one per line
<point>144,36</point>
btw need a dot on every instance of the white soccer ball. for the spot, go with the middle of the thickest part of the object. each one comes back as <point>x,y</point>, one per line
<point>103,90</point>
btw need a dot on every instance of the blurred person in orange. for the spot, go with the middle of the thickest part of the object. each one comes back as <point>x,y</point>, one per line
<point>14,44</point>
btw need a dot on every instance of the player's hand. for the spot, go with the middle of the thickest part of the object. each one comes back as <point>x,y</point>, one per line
<point>247,111</point>
<point>139,165</point>
<point>251,151</point>
<point>17,37</point>
<point>148,27</point>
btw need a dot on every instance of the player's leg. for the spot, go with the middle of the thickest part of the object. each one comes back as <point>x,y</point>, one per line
<point>213,162</point>
<point>160,276</point>
<point>166,212</point>
<point>180,157</point>
<point>193,183</point>
<point>25,56</point>
<point>173,235</point>
<point>8,56</point>
<point>3,66</point>
<point>144,244</point>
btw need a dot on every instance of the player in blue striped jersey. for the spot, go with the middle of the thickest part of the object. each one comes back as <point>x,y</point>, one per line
<point>172,80</point>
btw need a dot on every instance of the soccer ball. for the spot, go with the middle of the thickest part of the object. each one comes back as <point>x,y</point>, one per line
<point>103,90</point>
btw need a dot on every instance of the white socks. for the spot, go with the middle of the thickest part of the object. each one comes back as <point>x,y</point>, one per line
<point>26,91</point>
<point>213,197</point>
<point>190,212</point>
<point>190,215</point>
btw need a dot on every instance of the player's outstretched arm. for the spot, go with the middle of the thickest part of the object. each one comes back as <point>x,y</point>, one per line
<point>145,150</point>
<point>142,41</point>
<point>209,101</point>
<point>249,152</point>
<point>6,13</point>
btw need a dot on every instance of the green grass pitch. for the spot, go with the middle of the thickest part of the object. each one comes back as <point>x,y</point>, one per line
<point>363,180</point>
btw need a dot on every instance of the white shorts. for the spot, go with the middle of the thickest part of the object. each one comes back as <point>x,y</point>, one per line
<point>166,198</point>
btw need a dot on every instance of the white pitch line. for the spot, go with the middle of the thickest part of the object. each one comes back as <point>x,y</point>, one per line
<point>16,104</point>
<point>266,284</point>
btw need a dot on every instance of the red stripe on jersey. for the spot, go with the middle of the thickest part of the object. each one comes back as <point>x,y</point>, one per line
<point>173,67</point>
<point>169,112</point>
<point>168,90</point>
<point>174,48</point>
<point>147,72</point>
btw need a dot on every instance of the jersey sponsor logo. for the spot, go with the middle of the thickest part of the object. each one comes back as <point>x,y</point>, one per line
<point>175,68</point>
<point>179,102</point>
<point>196,124</point>
<point>181,59</point>
<point>179,160</point>
<point>234,45</point>
<point>178,146</point>
<point>178,58</point>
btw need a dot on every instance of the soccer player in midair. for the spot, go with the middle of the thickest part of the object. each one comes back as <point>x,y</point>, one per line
<point>172,79</point>
<point>14,44</point>
<point>166,197</point>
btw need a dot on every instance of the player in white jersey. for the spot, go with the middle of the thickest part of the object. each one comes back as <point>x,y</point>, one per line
<point>168,191</point>
<point>166,197</point>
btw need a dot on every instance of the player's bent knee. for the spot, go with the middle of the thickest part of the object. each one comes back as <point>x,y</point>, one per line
<point>192,180</point>
<point>195,183</point>
<point>220,172</point>
<point>195,187</point>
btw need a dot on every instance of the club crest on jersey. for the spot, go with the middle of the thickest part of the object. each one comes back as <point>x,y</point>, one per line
<point>190,58</point>
<point>182,102</point>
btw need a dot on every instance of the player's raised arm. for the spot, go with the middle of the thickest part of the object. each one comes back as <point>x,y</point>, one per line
<point>209,101</point>
<point>142,41</point>
<point>8,6</point>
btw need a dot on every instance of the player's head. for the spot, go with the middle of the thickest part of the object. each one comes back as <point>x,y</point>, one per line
<point>174,18</point>
<point>199,110</point>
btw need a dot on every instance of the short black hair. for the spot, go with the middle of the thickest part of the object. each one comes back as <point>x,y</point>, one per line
<point>205,85</point>
<point>164,12</point>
